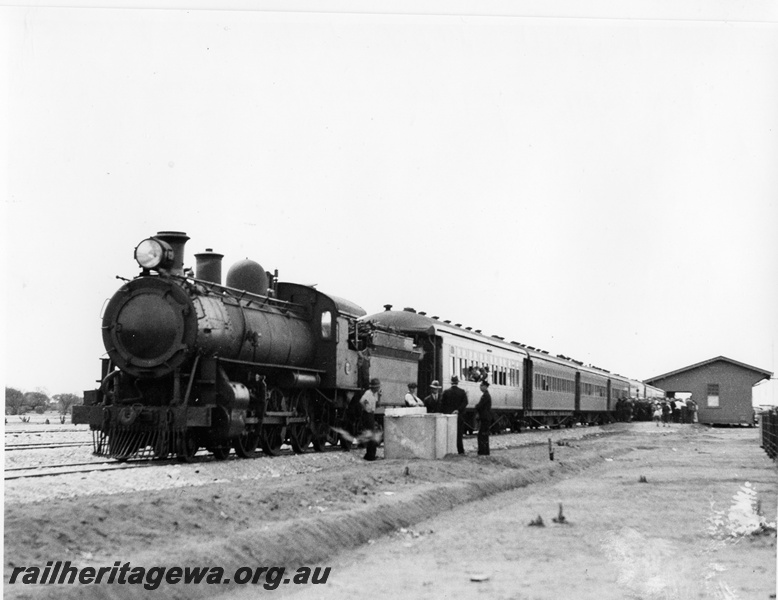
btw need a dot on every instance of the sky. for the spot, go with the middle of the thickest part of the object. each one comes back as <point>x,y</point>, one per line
<point>598,182</point>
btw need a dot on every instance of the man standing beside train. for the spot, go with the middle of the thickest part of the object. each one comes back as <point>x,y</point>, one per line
<point>411,399</point>
<point>484,411</point>
<point>432,402</point>
<point>454,400</point>
<point>369,402</point>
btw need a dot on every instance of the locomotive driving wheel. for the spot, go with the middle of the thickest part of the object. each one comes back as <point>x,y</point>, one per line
<point>299,437</point>
<point>299,434</point>
<point>246,445</point>
<point>220,452</point>
<point>322,415</point>
<point>271,436</point>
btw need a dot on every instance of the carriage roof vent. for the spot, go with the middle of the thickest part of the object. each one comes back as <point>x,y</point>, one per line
<point>478,330</point>
<point>435,317</point>
<point>409,309</point>
<point>469,328</point>
<point>387,307</point>
<point>422,313</point>
<point>447,321</point>
<point>458,324</point>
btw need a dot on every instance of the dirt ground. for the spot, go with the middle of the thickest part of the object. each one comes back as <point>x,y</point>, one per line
<point>425,529</point>
<point>671,537</point>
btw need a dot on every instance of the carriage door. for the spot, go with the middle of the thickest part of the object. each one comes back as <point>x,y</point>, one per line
<point>430,366</point>
<point>528,384</point>
<point>577,391</point>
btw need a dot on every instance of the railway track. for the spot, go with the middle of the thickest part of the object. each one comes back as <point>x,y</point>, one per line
<point>15,473</point>
<point>45,431</point>
<point>46,446</point>
<point>203,456</point>
<point>91,467</point>
<point>54,470</point>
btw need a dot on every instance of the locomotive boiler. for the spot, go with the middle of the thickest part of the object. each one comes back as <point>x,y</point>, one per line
<point>192,362</point>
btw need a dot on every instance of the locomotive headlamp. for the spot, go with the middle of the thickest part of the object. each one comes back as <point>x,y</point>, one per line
<point>153,253</point>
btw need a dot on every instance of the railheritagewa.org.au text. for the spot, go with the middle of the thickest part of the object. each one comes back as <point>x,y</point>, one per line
<point>64,573</point>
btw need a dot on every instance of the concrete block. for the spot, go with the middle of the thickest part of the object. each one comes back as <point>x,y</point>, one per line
<point>415,435</point>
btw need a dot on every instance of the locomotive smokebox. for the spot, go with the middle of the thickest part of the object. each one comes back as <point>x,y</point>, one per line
<point>249,276</point>
<point>209,266</point>
<point>149,327</point>
<point>177,241</point>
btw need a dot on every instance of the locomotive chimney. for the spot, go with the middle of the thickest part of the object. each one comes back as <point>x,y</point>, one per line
<point>209,266</point>
<point>177,240</point>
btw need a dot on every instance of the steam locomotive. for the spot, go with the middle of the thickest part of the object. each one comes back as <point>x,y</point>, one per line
<point>254,362</point>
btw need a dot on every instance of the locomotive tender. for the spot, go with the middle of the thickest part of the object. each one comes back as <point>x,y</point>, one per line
<point>193,363</point>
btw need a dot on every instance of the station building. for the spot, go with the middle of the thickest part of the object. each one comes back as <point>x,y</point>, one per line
<point>720,386</point>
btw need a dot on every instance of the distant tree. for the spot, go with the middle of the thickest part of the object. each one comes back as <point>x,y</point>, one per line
<point>14,401</point>
<point>65,402</point>
<point>37,401</point>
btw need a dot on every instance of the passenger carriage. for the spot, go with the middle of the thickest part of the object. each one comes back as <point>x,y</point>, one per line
<point>529,387</point>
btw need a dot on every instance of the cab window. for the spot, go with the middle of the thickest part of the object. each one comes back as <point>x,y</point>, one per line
<point>326,325</point>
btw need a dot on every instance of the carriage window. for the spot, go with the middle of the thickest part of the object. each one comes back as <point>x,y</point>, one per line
<point>326,325</point>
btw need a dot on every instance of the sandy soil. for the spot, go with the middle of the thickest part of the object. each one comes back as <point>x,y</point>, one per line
<point>670,537</point>
<point>665,538</point>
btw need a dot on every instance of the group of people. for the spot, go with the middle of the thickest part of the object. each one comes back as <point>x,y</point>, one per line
<point>675,410</point>
<point>624,408</point>
<point>451,401</point>
<point>474,373</point>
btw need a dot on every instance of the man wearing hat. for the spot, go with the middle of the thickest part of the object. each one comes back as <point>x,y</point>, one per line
<point>454,400</point>
<point>432,402</point>
<point>411,399</point>
<point>484,411</point>
<point>369,402</point>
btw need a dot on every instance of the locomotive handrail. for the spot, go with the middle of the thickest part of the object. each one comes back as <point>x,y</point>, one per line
<point>239,294</point>
<point>235,361</point>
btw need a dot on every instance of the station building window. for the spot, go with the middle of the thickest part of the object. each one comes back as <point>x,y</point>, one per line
<point>713,395</point>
